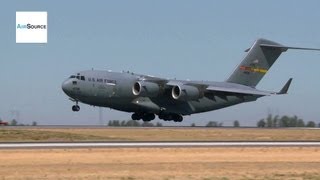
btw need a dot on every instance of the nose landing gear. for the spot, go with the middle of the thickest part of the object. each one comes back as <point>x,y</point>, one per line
<point>76,107</point>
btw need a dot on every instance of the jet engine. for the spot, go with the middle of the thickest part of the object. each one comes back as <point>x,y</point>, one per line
<point>145,89</point>
<point>185,93</point>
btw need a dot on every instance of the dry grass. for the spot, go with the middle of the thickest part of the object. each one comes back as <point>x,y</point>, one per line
<point>159,134</point>
<point>162,163</point>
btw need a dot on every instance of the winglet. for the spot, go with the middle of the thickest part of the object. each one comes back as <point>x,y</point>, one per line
<point>285,88</point>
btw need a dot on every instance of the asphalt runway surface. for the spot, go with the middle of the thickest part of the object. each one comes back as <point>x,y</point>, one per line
<point>36,145</point>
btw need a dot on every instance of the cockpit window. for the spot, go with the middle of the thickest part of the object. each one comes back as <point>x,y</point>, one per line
<point>78,77</point>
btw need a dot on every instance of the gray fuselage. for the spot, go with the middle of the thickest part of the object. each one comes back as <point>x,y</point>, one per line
<point>115,90</point>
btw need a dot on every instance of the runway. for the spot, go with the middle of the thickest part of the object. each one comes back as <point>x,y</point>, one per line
<point>152,144</point>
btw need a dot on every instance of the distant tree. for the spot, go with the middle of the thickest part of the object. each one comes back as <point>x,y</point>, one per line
<point>269,121</point>
<point>293,122</point>
<point>213,124</point>
<point>133,123</point>
<point>284,121</point>
<point>261,123</point>
<point>34,123</point>
<point>275,121</point>
<point>147,124</point>
<point>111,123</point>
<point>311,124</point>
<point>193,125</point>
<point>114,123</point>
<point>159,124</point>
<point>300,123</point>
<point>319,125</point>
<point>123,123</point>
<point>236,123</point>
<point>13,122</point>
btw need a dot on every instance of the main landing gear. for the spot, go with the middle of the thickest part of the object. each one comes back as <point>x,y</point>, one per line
<point>151,116</point>
<point>171,117</point>
<point>143,116</point>
<point>76,107</point>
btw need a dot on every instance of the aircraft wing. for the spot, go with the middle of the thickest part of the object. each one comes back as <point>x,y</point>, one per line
<point>250,91</point>
<point>225,89</point>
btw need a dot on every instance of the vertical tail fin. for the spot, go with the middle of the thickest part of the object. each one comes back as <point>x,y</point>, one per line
<point>261,56</point>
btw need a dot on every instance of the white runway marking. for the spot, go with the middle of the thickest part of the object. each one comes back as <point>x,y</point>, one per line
<point>154,144</point>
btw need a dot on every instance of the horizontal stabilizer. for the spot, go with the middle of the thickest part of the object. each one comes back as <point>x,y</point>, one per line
<point>285,88</point>
<point>285,48</point>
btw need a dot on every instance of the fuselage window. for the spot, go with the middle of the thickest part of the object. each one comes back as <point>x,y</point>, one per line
<point>89,79</point>
<point>93,80</point>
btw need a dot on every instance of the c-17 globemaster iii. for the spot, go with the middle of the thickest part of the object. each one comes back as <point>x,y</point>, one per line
<point>146,96</point>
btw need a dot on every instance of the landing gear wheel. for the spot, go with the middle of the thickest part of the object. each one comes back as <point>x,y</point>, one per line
<point>135,116</point>
<point>148,117</point>
<point>75,108</point>
<point>177,118</point>
<point>171,117</point>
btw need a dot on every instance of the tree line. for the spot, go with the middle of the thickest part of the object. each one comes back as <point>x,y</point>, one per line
<point>133,123</point>
<point>285,121</point>
<point>14,122</point>
<point>270,122</point>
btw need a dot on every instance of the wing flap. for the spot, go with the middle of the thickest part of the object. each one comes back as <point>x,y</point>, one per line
<point>238,91</point>
<point>174,83</point>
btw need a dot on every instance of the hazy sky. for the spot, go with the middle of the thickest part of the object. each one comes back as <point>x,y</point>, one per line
<point>197,40</point>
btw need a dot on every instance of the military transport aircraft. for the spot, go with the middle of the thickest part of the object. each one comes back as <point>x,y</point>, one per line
<point>146,96</point>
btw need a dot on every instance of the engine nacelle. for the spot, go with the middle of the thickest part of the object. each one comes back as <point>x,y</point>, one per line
<point>185,93</point>
<point>145,89</point>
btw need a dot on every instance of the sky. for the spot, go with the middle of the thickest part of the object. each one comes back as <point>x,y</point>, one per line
<point>183,39</point>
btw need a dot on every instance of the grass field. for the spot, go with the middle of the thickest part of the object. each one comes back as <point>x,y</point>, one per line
<point>157,134</point>
<point>162,163</point>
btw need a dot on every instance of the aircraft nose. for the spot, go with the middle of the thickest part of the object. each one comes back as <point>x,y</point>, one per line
<point>66,86</point>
